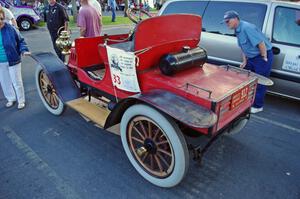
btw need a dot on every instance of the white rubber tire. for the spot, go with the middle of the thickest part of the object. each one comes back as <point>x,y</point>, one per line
<point>238,127</point>
<point>60,109</point>
<point>176,141</point>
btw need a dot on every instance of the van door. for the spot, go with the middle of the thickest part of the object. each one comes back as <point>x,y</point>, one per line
<point>221,42</point>
<point>284,30</point>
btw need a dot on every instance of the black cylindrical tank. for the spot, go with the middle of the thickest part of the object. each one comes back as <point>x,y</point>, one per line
<point>171,63</point>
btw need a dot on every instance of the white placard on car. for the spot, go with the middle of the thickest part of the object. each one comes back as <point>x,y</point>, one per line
<point>291,62</point>
<point>122,69</point>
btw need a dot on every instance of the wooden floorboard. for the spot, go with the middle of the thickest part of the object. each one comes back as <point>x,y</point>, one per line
<point>93,112</point>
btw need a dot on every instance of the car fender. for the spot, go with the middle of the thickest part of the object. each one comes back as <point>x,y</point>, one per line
<point>59,75</point>
<point>179,108</point>
<point>25,16</point>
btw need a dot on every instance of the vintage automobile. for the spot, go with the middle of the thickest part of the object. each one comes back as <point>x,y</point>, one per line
<point>154,83</point>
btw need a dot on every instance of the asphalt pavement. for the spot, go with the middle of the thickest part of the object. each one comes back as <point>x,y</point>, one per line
<point>45,156</point>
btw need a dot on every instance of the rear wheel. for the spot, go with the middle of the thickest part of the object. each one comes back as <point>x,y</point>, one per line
<point>47,92</point>
<point>237,127</point>
<point>154,145</point>
<point>24,24</point>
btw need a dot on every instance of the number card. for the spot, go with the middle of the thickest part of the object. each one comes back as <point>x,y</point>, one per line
<point>122,69</point>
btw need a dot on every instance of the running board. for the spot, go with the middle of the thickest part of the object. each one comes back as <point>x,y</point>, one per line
<point>91,111</point>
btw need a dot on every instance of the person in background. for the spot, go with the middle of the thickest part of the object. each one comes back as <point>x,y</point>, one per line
<point>113,6</point>
<point>256,51</point>
<point>23,3</point>
<point>12,46</point>
<point>9,17</point>
<point>36,4</point>
<point>56,17</point>
<point>18,3</point>
<point>89,20</point>
<point>96,5</point>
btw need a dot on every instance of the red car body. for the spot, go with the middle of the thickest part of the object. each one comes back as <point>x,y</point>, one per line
<point>195,98</point>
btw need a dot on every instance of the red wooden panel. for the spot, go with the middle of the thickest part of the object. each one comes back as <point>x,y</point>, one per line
<point>165,34</point>
<point>87,49</point>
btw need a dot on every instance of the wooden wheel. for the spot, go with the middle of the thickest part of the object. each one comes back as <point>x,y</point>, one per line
<point>154,145</point>
<point>47,93</point>
<point>150,146</point>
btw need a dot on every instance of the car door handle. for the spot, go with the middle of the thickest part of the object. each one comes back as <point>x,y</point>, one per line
<point>275,50</point>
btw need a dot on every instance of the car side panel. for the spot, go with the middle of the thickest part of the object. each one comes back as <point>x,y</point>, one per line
<point>286,82</point>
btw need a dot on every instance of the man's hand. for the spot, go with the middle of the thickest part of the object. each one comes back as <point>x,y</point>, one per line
<point>265,59</point>
<point>243,64</point>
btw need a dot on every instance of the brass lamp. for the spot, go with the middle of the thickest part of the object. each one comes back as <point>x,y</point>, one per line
<point>63,42</point>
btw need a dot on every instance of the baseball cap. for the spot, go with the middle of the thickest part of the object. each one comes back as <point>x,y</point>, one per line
<point>230,15</point>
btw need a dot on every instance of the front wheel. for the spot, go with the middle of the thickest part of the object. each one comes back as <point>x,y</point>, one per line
<point>154,145</point>
<point>47,92</point>
<point>25,24</point>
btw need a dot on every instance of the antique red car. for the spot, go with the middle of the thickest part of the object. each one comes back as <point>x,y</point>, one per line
<point>157,85</point>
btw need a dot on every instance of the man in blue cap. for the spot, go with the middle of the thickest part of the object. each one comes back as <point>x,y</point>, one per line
<point>256,51</point>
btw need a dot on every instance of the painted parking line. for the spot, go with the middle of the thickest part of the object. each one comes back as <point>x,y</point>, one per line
<point>297,130</point>
<point>64,189</point>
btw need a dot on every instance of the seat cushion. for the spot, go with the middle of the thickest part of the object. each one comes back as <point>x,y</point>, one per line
<point>126,46</point>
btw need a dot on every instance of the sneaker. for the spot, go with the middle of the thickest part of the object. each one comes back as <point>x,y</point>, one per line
<point>9,104</point>
<point>21,105</point>
<point>256,110</point>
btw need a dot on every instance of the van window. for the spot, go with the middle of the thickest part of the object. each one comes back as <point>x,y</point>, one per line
<point>190,7</point>
<point>251,12</point>
<point>286,27</point>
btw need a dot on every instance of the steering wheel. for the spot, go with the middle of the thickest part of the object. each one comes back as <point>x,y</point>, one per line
<point>137,14</point>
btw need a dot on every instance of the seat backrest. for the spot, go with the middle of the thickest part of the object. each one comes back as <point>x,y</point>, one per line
<point>165,34</point>
<point>87,51</point>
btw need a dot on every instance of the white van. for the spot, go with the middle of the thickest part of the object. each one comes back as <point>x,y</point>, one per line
<point>279,20</point>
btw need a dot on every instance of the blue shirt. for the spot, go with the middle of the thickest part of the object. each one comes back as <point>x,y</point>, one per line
<point>3,57</point>
<point>249,36</point>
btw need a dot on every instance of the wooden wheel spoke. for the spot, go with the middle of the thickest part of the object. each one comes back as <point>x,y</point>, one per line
<point>145,156</point>
<point>156,134</point>
<point>163,160</point>
<point>54,100</point>
<point>47,96</point>
<point>50,99</point>
<point>158,164</point>
<point>138,140</point>
<point>164,152</point>
<point>151,162</point>
<point>150,129</point>
<point>44,82</point>
<point>143,128</point>
<point>44,90</point>
<point>140,134</point>
<point>162,142</point>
